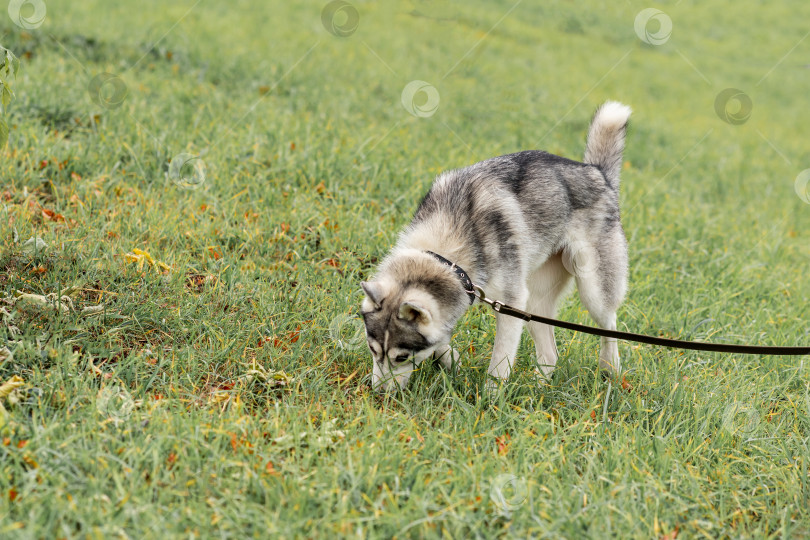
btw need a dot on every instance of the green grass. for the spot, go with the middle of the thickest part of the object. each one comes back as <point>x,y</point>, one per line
<point>146,419</point>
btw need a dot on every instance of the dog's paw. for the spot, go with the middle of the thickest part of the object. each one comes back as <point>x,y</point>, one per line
<point>493,385</point>
<point>610,368</point>
<point>449,359</point>
<point>543,379</point>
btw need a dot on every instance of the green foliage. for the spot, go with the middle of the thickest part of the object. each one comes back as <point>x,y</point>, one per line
<point>8,70</point>
<point>195,192</point>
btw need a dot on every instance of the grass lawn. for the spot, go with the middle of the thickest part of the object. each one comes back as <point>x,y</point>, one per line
<point>192,192</point>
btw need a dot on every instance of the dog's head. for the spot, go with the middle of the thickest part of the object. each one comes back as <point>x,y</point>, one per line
<point>409,311</point>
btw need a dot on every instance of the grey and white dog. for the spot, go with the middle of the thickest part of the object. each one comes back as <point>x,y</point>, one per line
<point>521,226</point>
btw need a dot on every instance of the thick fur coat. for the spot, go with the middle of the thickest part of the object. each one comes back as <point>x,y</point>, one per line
<point>523,226</point>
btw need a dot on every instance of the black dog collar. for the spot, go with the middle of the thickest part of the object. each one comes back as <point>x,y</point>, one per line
<point>466,282</point>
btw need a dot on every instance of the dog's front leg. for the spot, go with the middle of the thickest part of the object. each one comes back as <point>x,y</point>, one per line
<point>448,357</point>
<point>507,339</point>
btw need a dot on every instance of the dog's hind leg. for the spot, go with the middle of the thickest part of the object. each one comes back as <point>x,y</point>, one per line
<point>547,285</point>
<point>601,276</point>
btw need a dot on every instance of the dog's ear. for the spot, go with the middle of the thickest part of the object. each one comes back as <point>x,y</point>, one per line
<point>410,311</point>
<point>374,292</point>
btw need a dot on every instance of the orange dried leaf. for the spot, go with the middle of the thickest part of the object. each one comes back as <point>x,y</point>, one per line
<point>293,336</point>
<point>51,215</point>
<point>671,535</point>
<point>503,444</point>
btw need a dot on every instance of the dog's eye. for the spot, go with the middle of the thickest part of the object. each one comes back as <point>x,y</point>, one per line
<point>402,358</point>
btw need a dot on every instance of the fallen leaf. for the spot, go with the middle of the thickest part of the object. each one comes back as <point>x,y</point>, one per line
<point>34,244</point>
<point>503,444</point>
<point>197,282</point>
<point>10,385</point>
<point>294,335</point>
<point>141,257</point>
<point>49,214</point>
<point>671,535</point>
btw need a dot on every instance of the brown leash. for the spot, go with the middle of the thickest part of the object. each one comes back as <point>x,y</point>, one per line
<point>504,309</point>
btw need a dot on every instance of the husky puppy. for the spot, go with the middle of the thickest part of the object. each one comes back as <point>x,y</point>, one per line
<point>520,226</point>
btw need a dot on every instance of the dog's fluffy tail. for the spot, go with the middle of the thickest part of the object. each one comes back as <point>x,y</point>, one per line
<point>606,139</point>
